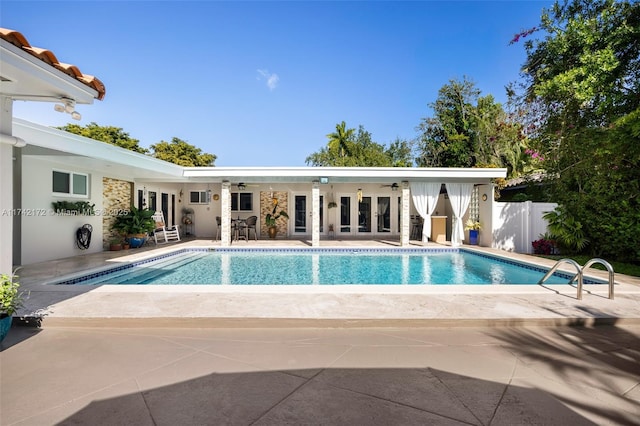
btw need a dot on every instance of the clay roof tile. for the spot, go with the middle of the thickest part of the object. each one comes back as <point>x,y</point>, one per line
<point>47,56</point>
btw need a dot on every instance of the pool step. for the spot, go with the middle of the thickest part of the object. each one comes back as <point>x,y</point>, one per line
<point>135,273</point>
<point>151,271</point>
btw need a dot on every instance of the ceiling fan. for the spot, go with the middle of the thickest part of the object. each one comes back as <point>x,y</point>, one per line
<point>394,186</point>
<point>242,186</point>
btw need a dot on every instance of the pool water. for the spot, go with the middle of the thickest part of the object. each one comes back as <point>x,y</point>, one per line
<point>325,268</point>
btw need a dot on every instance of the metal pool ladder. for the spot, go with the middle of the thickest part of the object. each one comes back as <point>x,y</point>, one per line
<point>580,273</point>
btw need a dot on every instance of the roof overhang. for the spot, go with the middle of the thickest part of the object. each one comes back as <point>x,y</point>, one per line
<point>342,174</point>
<point>74,150</point>
<point>26,77</point>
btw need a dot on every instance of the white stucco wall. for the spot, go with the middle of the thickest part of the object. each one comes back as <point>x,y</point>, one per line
<point>46,236</point>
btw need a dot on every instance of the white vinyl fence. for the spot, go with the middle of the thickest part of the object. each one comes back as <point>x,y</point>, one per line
<point>516,225</point>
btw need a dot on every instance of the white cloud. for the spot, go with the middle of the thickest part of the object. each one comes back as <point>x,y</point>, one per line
<point>271,78</point>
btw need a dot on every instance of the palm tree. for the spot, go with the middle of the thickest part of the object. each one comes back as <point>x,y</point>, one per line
<point>339,140</point>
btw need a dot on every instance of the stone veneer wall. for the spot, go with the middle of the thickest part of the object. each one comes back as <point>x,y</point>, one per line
<point>266,206</point>
<point>116,197</point>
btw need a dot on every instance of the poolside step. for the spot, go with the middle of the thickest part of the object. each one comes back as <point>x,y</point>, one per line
<point>141,271</point>
<point>144,274</point>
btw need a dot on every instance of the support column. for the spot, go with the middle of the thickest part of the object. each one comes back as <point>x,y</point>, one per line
<point>405,219</point>
<point>225,214</point>
<point>315,214</point>
<point>486,204</point>
<point>6,189</point>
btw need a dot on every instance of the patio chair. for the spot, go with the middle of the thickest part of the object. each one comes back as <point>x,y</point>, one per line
<point>219,223</point>
<point>251,224</point>
<point>162,231</point>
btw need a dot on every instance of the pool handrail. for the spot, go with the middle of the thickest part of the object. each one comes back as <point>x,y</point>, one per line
<point>580,273</point>
<point>609,269</point>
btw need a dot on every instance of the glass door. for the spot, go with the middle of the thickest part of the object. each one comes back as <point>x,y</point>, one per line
<point>364,215</point>
<point>345,215</point>
<point>164,206</point>
<point>376,216</point>
<point>300,214</point>
<point>322,214</point>
<point>383,215</point>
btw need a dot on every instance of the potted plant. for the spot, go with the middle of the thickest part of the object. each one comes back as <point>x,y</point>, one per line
<point>10,301</point>
<point>136,225</point>
<point>187,215</point>
<point>473,226</point>
<point>115,244</point>
<point>271,218</point>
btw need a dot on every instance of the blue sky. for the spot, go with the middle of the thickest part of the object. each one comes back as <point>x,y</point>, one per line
<point>263,83</point>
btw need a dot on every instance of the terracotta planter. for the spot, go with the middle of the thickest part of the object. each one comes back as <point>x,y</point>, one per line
<point>273,231</point>
<point>115,247</point>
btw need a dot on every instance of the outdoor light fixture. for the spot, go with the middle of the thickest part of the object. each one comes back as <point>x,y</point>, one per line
<point>324,180</point>
<point>394,186</point>
<point>241,186</point>
<point>68,106</point>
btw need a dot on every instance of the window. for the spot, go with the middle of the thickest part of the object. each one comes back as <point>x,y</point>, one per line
<point>198,197</point>
<point>70,184</point>
<point>241,201</point>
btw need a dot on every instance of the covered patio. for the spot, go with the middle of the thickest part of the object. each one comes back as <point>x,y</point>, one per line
<point>334,202</point>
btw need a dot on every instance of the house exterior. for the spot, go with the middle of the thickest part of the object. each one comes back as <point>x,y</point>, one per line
<point>41,166</point>
<point>29,73</point>
<point>369,202</point>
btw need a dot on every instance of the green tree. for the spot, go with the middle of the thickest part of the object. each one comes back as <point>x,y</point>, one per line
<point>401,153</point>
<point>357,149</point>
<point>582,83</point>
<point>109,134</point>
<point>340,139</point>
<point>182,153</point>
<point>469,130</point>
<point>446,139</point>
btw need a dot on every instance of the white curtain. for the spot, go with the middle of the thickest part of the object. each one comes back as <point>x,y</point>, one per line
<point>425,197</point>
<point>459,197</point>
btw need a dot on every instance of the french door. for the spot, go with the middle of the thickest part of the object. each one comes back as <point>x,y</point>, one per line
<point>372,215</point>
<point>302,219</point>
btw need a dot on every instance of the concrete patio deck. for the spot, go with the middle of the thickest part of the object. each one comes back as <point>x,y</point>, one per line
<point>127,355</point>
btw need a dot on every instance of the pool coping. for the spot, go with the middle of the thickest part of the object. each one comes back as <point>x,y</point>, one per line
<point>321,306</point>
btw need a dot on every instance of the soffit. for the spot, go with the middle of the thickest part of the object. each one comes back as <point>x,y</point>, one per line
<point>385,175</point>
<point>33,73</point>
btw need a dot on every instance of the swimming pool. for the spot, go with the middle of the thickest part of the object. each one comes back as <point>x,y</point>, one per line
<point>447,266</point>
